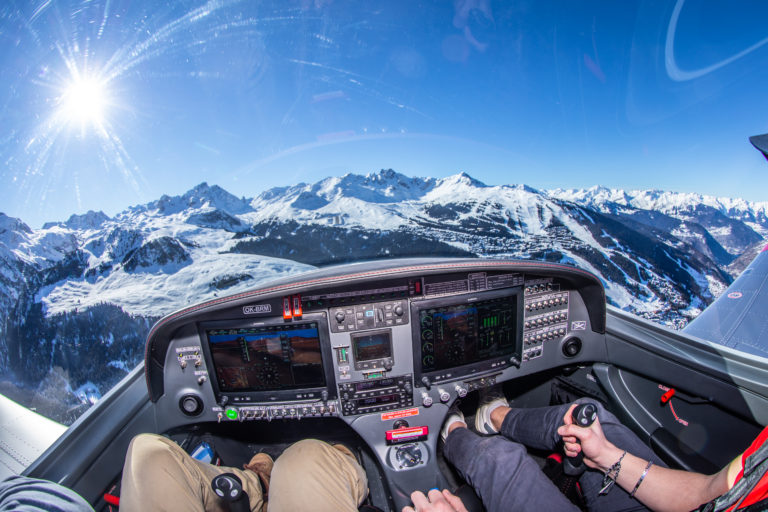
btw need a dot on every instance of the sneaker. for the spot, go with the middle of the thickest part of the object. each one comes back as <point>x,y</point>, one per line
<point>490,402</point>
<point>454,415</point>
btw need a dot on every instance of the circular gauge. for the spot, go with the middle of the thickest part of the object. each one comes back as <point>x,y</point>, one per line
<point>426,321</point>
<point>427,348</point>
<point>269,373</point>
<point>428,360</point>
<point>455,353</point>
<point>427,335</point>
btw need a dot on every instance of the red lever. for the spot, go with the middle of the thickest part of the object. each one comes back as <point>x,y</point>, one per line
<point>666,397</point>
<point>112,499</point>
<point>297,311</point>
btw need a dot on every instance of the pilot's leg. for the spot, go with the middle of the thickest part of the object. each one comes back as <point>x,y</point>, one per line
<point>159,475</point>
<point>537,428</point>
<point>313,475</point>
<point>502,473</point>
<point>34,495</point>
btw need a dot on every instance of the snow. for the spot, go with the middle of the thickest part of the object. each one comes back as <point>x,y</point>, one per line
<point>120,365</point>
<point>522,221</point>
<point>666,202</point>
<point>88,393</point>
<point>157,294</point>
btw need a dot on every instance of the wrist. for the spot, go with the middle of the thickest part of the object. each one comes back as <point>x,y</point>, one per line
<point>607,457</point>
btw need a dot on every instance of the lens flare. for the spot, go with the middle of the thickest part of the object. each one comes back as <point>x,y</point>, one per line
<point>84,101</point>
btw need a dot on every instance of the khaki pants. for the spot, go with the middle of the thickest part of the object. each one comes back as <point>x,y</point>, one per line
<point>309,475</point>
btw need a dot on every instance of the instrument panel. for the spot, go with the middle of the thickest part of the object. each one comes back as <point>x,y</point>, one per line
<point>385,347</point>
<point>375,341</point>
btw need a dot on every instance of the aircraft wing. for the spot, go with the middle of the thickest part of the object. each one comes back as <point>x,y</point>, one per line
<point>24,435</point>
<point>739,318</point>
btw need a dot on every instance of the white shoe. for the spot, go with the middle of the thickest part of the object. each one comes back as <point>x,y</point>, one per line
<point>454,415</point>
<point>483,423</point>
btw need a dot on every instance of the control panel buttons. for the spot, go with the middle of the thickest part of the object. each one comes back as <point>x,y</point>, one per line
<point>369,316</point>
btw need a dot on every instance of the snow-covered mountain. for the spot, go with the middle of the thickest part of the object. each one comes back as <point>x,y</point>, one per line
<point>90,287</point>
<point>735,224</point>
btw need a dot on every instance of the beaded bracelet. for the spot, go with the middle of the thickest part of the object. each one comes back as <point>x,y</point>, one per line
<point>611,475</point>
<point>637,485</point>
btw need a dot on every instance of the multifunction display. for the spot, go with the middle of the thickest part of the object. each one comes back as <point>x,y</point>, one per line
<point>372,349</point>
<point>267,358</point>
<point>461,334</point>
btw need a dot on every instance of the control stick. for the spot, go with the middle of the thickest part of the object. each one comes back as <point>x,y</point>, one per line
<point>229,488</point>
<point>582,415</point>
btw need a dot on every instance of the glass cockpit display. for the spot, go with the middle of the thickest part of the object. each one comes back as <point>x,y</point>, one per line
<point>372,346</point>
<point>461,334</point>
<point>372,349</point>
<point>267,358</point>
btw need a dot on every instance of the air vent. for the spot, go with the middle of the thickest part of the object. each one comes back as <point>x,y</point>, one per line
<point>571,347</point>
<point>191,405</point>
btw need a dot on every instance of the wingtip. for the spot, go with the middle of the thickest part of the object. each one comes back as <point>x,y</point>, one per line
<point>761,143</point>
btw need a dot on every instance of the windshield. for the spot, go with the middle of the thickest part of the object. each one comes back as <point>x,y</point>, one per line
<point>157,154</point>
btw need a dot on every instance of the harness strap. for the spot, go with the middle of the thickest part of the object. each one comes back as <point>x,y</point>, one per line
<point>755,467</point>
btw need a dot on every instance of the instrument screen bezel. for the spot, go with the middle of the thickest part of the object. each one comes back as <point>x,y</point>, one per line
<point>515,294</point>
<point>273,395</point>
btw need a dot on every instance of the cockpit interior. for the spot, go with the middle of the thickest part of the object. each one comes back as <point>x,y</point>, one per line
<point>372,355</point>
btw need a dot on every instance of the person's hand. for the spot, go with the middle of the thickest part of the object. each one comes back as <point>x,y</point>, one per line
<point>435,501</point>
<point>598,452</point>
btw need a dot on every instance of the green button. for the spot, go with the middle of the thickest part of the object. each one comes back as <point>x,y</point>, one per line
<point>231,413</point>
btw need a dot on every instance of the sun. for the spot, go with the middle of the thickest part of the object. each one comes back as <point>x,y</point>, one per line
<point>84,102</point>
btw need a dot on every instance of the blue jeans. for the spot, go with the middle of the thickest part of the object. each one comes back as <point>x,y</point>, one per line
<point>506,478</point>
<point>31,494</point>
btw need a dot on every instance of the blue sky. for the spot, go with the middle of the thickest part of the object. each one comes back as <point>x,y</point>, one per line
<point>106,104</point>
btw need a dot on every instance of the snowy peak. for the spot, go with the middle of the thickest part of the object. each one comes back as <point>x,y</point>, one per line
<point>386,186</point>
<point>13,231</point>
<point>662,201</point>
<point>461,179</point>
<point>200,197</point>
<point>87,221</point>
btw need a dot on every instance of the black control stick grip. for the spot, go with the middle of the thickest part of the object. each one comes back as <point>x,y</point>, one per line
<point>229,488</point>
<point>583,415</point>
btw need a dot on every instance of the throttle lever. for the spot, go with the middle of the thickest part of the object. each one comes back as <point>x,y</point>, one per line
<point>582,415</point>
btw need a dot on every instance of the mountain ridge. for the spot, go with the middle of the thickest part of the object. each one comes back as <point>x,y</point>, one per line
<point>148,260</point>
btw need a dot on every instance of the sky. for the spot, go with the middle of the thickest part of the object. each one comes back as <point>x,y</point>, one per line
<point>106,104</point>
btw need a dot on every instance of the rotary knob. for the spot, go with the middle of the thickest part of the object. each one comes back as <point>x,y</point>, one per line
<point>460,391</point>
<point>444,395</point>
<point>426,400</point>
<point>340,317</point>
<point>399,310</point>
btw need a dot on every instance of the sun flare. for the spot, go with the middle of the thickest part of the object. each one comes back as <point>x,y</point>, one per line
<point>84,101</point>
